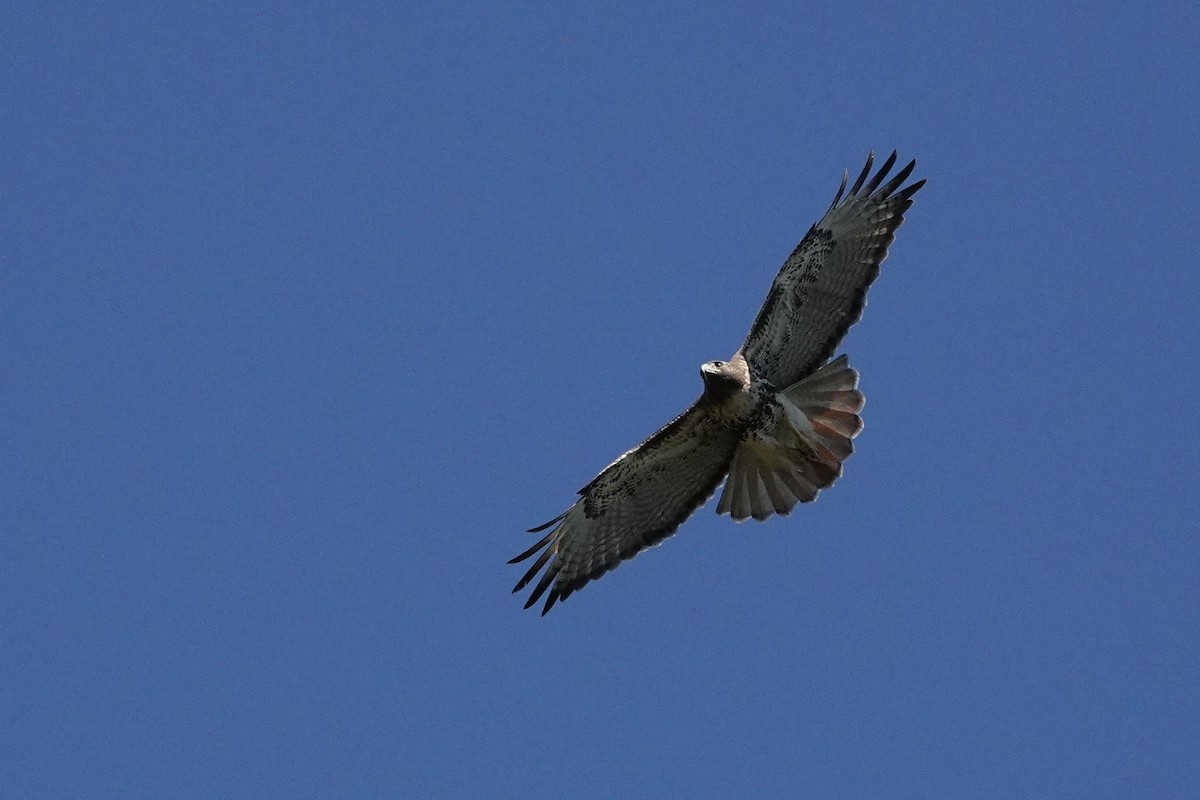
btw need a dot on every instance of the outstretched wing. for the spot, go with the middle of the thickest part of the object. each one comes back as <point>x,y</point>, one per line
<point>636,502</point>
<point>821,289</point>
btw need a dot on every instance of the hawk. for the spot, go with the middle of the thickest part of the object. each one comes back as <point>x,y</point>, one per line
<point>775,421</point>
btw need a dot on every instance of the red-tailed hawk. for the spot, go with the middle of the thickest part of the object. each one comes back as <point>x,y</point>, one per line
<point>776,418</point>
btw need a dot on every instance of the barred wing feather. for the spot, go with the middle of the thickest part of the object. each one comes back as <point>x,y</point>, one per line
<point>636,502</point>
<point>822,287</point>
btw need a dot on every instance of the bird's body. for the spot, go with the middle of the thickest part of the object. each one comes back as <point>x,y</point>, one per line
<point>775,418</point>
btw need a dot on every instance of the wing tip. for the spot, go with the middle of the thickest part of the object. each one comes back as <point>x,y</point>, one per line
<point>837,197</point>
<point>862,176</point>
<point>869,185</point>
<point>905,194</point>
<point>879,175</point>
<point>545,525</point>
<point>549,581</point>
<point>865,184</point>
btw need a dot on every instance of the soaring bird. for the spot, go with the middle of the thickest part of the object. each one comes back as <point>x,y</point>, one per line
<point>775,421</point>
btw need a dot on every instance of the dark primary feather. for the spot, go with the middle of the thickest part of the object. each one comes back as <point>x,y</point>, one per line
<point>821,289</point>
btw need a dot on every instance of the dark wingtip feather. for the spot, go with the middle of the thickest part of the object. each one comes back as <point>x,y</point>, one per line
<point>842,188</point>
<point>909,191</point>
<point>544,541</point>
<point>884,170</point>
<point>525,579</point>
<point>863,175</point>
<point>537,566</point>
<point>542,585</point>
<point>899,178</point>
<point>543,527</point>
<point>547,580</point>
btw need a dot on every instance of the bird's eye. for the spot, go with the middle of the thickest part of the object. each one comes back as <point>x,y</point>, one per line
<point>718,363</point>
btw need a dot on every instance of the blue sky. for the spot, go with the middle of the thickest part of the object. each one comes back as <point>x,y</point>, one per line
<point>310,310</point>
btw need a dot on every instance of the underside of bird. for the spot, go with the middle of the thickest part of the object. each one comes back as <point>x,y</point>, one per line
<point>775,422</point>
<point>801,450</point>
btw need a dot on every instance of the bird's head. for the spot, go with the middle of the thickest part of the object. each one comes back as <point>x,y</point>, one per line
<point>724,378</point>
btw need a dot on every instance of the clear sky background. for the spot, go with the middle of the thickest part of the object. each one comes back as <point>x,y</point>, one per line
<point>308,311</point>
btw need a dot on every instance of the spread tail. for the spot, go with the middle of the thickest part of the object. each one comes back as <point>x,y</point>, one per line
<point>803,452</point>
